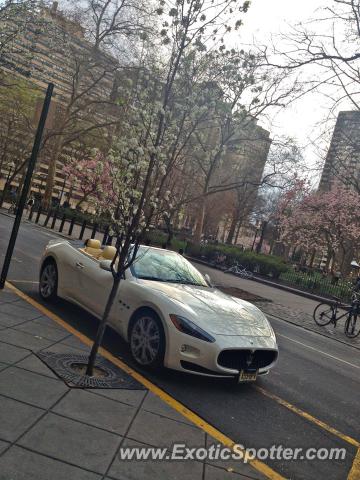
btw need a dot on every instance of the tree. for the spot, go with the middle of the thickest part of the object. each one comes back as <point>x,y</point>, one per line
<point>90,176</point>
<point>17,117</point>
<point>90,110</point>
<point>89,76</point>
<point>329,44</point>
<point>321,220</point>
<point>140,153</point>
<point>225,92</point>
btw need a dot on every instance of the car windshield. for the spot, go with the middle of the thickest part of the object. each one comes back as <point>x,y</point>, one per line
<point>164,266</point>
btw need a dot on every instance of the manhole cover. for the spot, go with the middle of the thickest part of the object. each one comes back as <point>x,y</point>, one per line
<point>67,366</point>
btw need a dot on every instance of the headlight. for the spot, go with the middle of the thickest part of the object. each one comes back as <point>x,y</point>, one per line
<point>190,328</point>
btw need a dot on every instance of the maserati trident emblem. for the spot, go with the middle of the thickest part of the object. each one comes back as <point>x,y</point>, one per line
<point>249,358</point>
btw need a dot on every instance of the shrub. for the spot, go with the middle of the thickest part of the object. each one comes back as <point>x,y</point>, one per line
<point>158,238</point>
<point>264,264</point>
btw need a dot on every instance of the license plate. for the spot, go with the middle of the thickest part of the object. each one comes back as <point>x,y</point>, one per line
<point>245,376</point>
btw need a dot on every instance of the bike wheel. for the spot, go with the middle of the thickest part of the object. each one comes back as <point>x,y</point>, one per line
<point>324,314</point>
<point>352,327</point>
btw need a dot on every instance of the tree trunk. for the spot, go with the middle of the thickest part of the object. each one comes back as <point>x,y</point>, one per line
<point>238,232</point>
<point>102,326</point>
<point>262,235</point>
<point>231,233</point>
<point>200,222</point>
<point>50,180</point>
<point>313,254</point>
<point>4,193</point>
<point>272,243</point>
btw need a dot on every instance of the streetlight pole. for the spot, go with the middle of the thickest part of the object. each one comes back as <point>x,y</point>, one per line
<point>26,184</point>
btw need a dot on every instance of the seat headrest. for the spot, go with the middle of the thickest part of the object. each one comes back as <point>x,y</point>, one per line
<point>108,253</point>
<point>92,243</point>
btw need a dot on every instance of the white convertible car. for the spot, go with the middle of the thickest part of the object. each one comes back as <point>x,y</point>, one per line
<point>166,310</point>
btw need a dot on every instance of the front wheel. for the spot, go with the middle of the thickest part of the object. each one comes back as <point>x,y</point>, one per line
<point>352,327</point>
<point>48,281</point>
<point>147,340</point>
<point>324,314</point>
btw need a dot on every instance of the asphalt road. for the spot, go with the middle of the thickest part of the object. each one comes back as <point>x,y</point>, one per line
<point>314,373</point>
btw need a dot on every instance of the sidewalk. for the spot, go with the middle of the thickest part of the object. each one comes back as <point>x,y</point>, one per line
<point>49,431</point>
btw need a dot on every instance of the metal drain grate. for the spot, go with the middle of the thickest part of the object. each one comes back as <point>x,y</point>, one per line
<point>61,364</point>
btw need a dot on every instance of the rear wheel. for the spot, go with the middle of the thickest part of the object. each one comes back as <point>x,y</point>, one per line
<point>324,314</point>
<point>352,326</point>
<point>48,281</point>
<point>147,339</point>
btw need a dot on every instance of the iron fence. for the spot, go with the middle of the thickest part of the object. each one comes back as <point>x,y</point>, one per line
<point>319,284</point>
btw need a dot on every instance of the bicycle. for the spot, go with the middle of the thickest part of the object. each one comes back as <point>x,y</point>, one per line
<point>12,208</point>
<point>240,271</point>
<point>326,313</point>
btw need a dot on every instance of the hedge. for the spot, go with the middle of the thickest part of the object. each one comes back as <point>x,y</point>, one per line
<point>263,264</point>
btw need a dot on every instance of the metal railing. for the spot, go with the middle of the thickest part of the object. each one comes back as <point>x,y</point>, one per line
<point>318,283</point>
<point>64,222</point>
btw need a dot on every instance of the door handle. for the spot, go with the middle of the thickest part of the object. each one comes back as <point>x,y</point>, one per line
<point>79,265</point>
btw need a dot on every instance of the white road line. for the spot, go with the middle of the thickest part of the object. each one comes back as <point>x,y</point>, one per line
<point>317,350</point>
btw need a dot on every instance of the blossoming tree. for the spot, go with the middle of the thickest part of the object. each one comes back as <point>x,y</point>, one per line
<point>90,176</point>
<point>140,157</point>
<point>322,221</point>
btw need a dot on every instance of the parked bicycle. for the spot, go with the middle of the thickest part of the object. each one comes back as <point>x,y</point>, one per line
<point>12,208</point>
<point>240,271</point>
<point>327,313</point>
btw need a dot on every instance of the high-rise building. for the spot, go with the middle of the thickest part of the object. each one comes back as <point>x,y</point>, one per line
<point>52,48</point>
<point>343,158</point>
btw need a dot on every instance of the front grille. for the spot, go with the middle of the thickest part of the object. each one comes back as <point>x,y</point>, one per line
<point>246,359</point>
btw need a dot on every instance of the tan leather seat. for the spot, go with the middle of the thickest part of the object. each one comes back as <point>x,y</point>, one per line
<point>93,248</point>
<point>108,253</point>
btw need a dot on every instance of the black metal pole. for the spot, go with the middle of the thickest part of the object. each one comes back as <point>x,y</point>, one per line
<point>26,185</point>
<point>72,223</point>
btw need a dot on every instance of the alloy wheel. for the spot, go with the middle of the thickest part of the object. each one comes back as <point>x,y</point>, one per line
<point>48,281</point>
<point>145,340</point>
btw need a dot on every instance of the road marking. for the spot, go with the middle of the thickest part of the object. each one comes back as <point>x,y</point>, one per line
<point>308,417</point>
<point>318,351</point>
<point>179,407</point>
<point>354,473</point>
<point>25,281</point>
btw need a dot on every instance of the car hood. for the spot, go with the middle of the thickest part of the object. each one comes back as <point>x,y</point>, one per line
<point>213,310</point>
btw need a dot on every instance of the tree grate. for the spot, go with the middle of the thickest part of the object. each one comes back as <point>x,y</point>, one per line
<point>62,364</point>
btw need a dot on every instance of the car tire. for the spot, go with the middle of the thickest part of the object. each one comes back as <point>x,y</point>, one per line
<point>48,283</point>
<point>147,339</point>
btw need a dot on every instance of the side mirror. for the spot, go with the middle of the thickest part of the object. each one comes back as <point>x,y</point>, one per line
<point>105,265</point>
<point>208,279</point>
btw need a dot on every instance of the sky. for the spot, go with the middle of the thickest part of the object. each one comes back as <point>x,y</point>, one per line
<point>299,120</point>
